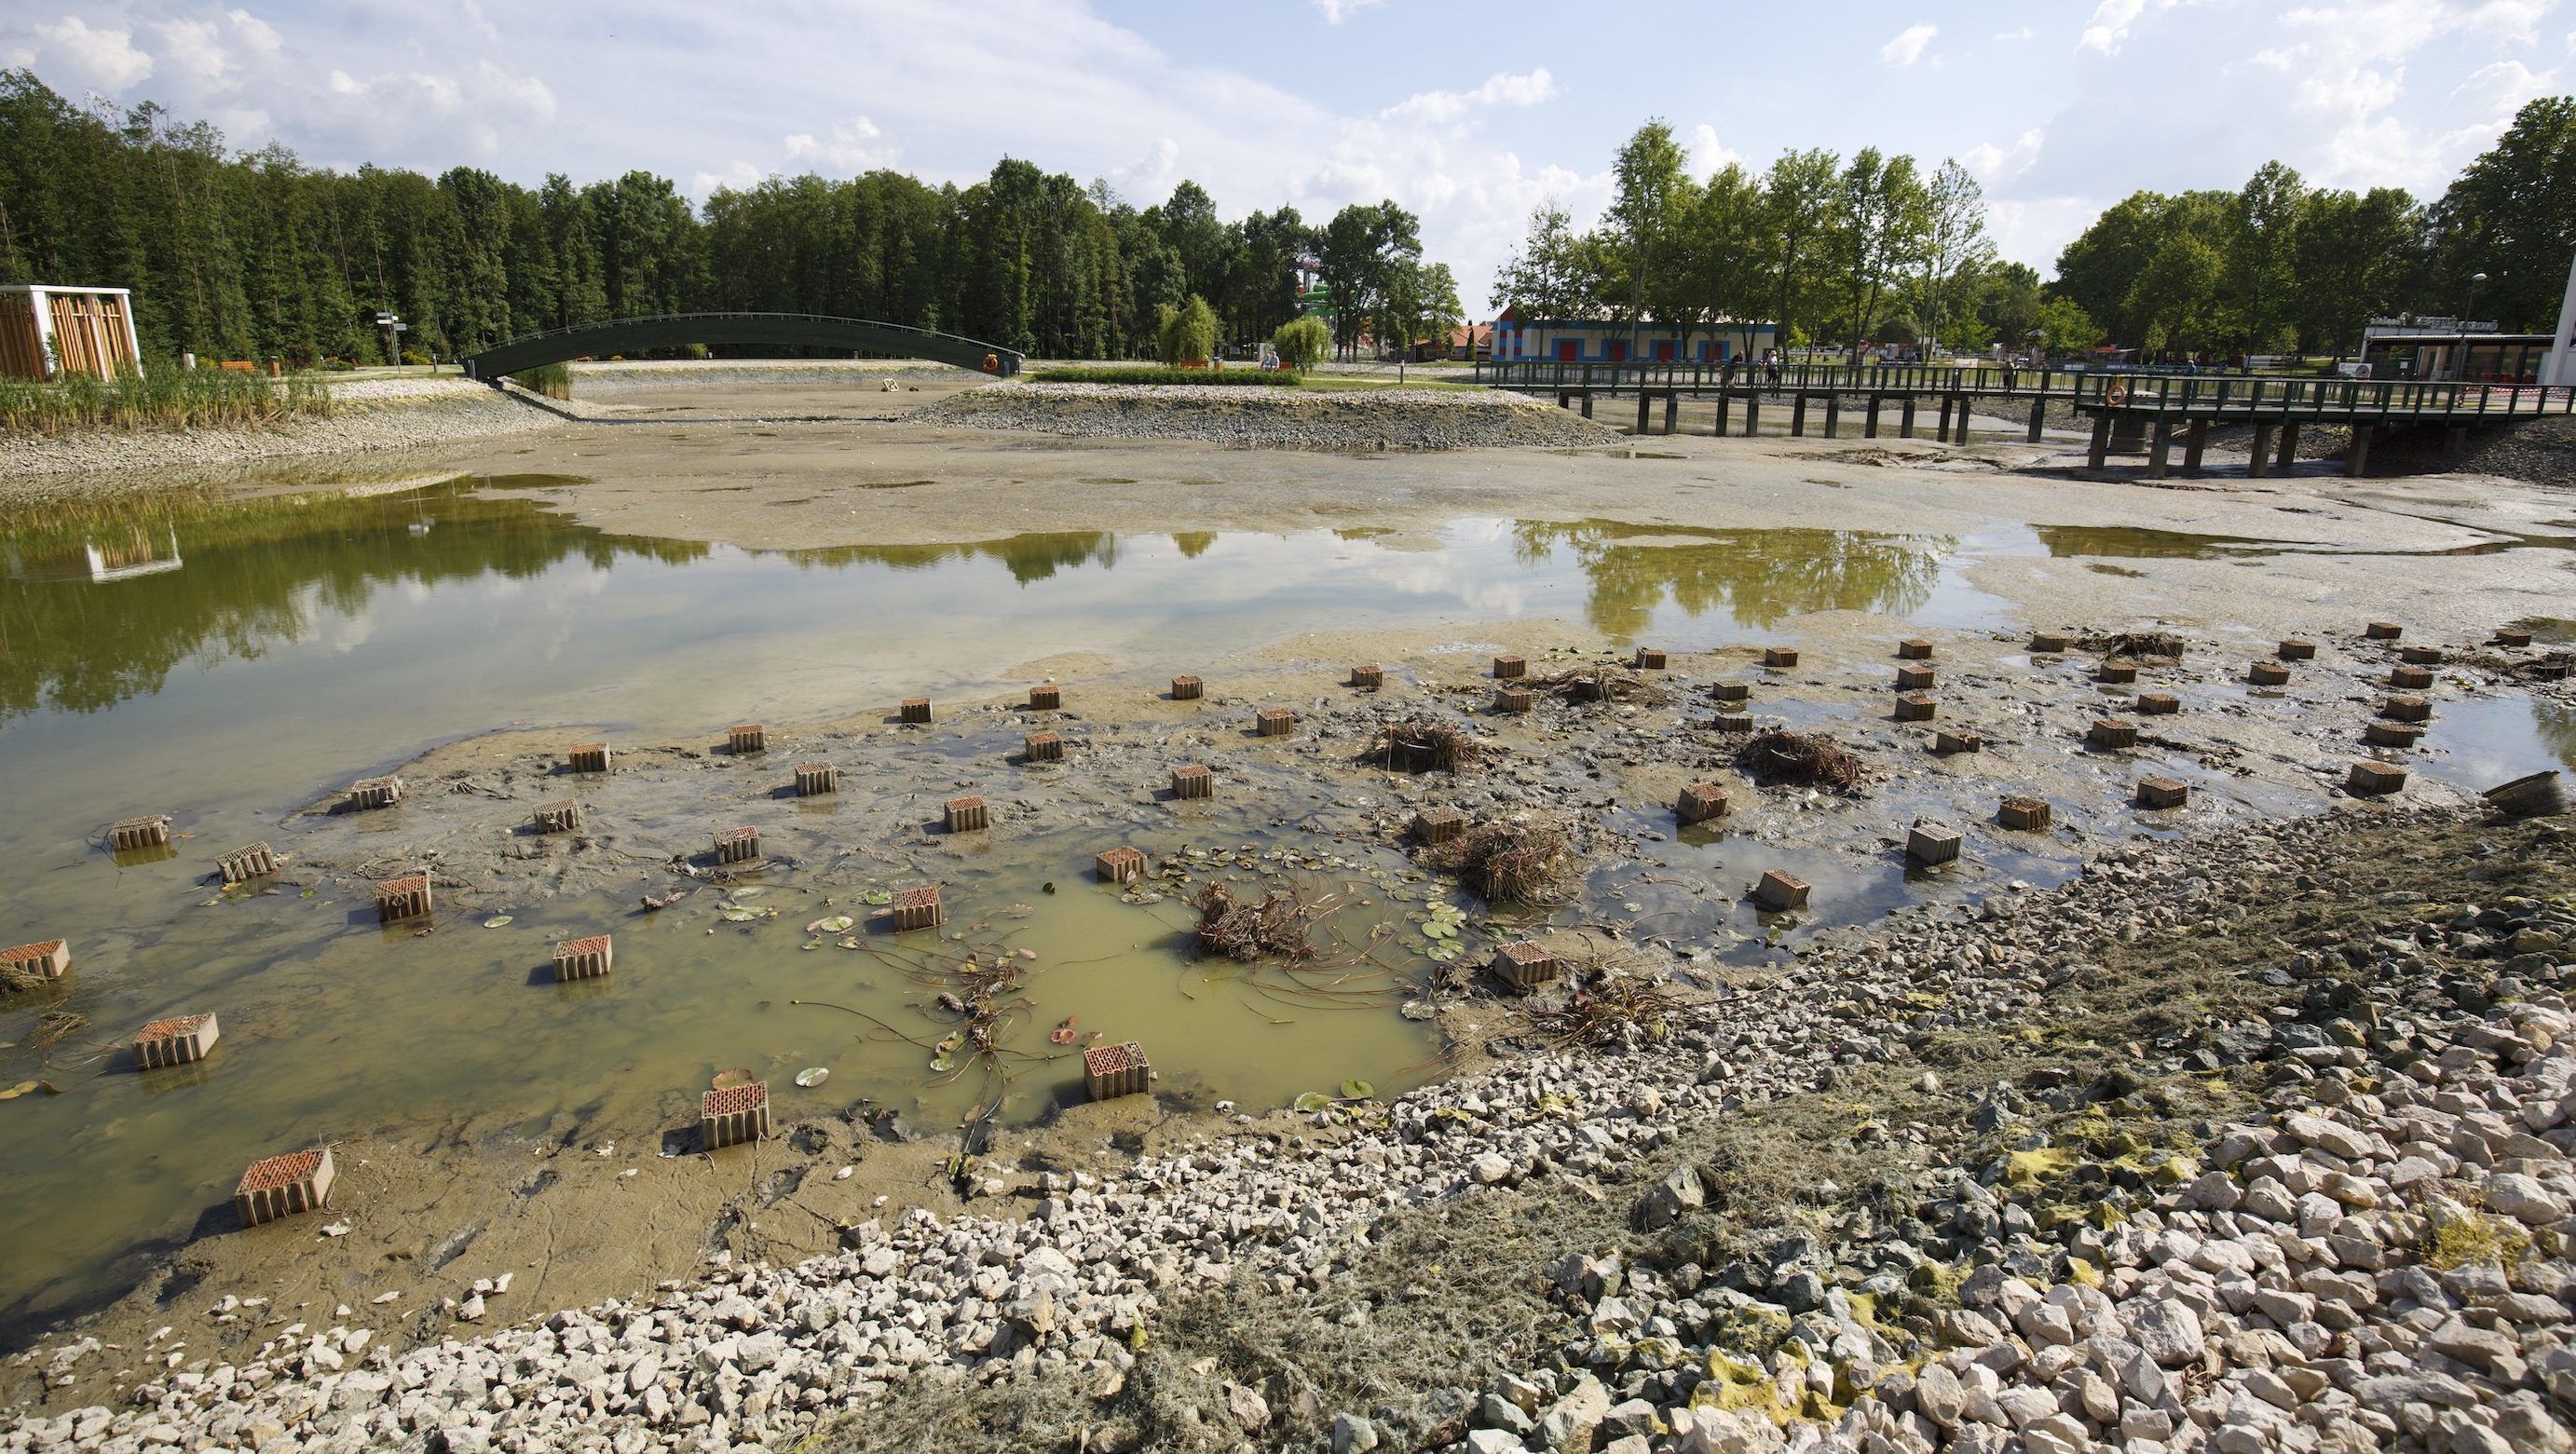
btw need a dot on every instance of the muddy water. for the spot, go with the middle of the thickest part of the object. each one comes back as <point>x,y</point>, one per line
<point>233,663</point>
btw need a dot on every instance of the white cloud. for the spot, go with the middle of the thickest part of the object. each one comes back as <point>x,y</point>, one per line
<point>104,57</point>
<point>855,145</point>
<point>1443,107</point>
<point>1907,47</point>
<point>741,176</point>
<point>2112,20</point>
<point>1990,163</point>
<point>1707,153</point>
<point>192,47</point>
<point>2025,33</point>
<point>1337,11</point>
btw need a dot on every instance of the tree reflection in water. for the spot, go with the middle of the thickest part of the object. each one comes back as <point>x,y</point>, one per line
<point>1760,577</point>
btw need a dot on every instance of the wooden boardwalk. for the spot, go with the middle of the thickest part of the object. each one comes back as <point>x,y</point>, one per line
<point>2126,408</point>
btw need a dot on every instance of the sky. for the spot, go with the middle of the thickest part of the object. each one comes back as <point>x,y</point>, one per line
<point>1467,112</point>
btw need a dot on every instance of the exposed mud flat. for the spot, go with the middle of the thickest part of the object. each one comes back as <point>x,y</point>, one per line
<point>1284,418</point>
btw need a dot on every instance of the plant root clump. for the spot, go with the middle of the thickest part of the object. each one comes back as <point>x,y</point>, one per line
<point>1605,1008</point>
<point>1426,744</point>
<point>1794,757</point>
<point>1275,924</point>
<point>2138,645</point>
<point>1506,863</point>
<point>1598,684</point>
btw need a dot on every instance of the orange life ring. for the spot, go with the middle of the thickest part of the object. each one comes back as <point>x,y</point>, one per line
<point>992,364</point>
<point>2117,394</point>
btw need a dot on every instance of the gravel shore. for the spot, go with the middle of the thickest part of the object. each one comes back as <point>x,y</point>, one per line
<point>368,415</point>
<point>1402,419</point>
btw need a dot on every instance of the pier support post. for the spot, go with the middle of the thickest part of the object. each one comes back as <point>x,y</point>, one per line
<point>1645,405</point>
<point>1942,433</point>
<point>2356,455</point>
<point>1833,415</point>
<point>1869,422</point>
<point>1797,416</point>
<point>2038,414</point>
<point>1905,419</point>
<point>1753,413</point>
<point>2160,452</point>
<point>1672,409</point>
<point>2101,450</point>
<point>1720,431</point>
<point>2195,439</point>
<point>1587,403</point>
<point>1959,435</point>
<point>2259,464</point>
<point>2289,446</point>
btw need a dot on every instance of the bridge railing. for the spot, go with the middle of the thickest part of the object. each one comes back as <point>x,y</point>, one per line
<point>1546,375</point>
<point>2411,400</point>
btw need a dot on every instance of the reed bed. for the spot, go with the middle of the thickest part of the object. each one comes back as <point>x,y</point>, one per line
<point>165,397</point>
<point>1506,863</point>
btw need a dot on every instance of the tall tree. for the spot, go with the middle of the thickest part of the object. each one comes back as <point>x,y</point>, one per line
<point>1797,196</point>
<point>1649,197</point>
<point>1880,220</point>
<point>1955,250</point>
<point>2512,216</point>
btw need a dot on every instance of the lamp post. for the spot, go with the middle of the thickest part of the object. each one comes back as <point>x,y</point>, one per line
<point>2461,371</point>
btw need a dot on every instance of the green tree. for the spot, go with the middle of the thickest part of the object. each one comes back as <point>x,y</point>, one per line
<point>1954,253</point>
<point>1726,252</point>
<point>1797,195</point>
<point>1881,216</point>
<point>1301,343</point>
<point>2066,326</point>
<point>1364,250</point>
<point>2512,216</point>
<point>1545,278</point>
<point>1649,197</point>
<point>1187,334</point>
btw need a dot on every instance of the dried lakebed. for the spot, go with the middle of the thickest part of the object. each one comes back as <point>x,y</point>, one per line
<point>1606,769</point>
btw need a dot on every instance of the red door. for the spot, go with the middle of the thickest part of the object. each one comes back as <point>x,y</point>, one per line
<point>1619,351</point>
<point>1568,351</point>
<point>1663,350</point>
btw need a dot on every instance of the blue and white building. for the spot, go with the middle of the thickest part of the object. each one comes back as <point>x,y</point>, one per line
<point>1596,340</point>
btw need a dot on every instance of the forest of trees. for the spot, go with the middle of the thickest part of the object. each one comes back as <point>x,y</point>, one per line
<point>1875,249</point>
<point>247,254</point>
<point>240,255</point>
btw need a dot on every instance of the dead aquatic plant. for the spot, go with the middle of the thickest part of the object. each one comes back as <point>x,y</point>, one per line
<point>1605,1007</point>
<point>1425,744</point>
<point>1506,863</point>
<point>2166,645</point>
<point>14,978</point>
<point>53,1025</point>
<point>1597,684</point>
<point>1800,757</point>
<point>1274,924</point>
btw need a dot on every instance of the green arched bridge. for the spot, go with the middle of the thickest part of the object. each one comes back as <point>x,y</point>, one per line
<point>738,330</point>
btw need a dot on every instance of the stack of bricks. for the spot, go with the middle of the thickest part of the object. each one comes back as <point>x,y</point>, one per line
<point>1700,802</point>
<point>814,779</point>
<point>375,792</point>
<point>1731,692</point>
<point>2111,732</point>
<point>1916,707</point>
<point>175,1041</point>
<point>403,898</point>
<point>2392,734</point>
<point>733,1115</point>
<point>1119,866</point>
<point>747,737</point>
<point>1188,689</point>
<point>1731,722</point>
<point>737,845</point>
<point>1508,667</point>
<point>915,710</point>
<point>1930,844</point>
<point>1516,701</point>
<point>1914,649</point>
<point>2267,674</point>
<point>1275,722</point>
<point>917,908</point>
<point>1371,677</point>
<point>2374,779</point>
<point>244,864</point>
<point>560,816</point>
<point>2406,709</point>
<point>2024,813</point>
<point>1915,678</point>
<point>1110,1071</point>
<point>2163,792</point>
<point>1779,656</point>
<point>588,757</point>
<point>127,834</point>
<point>1780,892</point>
<point>584,958</point>
<point>2047,643</point>
<point>1956,739</point>
<point>2383,631</point>
<point>1046,698</point>
<point>2513,636</point>
<point>2294,649</point>
<point>1525,966</point>
<point>2158,704</point>
<point>1649,659</point>
<point>2116,673</point>
<point>1042,747</point>
<point>2420,655</point>
<point>47,960</point>
<point>1438,824</point>
<point>968,815</point>
<point>299,1181</point>
<point>1192,781</point>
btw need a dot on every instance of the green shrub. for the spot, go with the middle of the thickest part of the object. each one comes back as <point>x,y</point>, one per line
<point>1156,374</point>
<point>553,380</point>
<point>1186,334</point>
<point>1301,343</point>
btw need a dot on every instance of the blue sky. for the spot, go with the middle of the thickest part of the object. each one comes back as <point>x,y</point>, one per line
<point>1468,113</point>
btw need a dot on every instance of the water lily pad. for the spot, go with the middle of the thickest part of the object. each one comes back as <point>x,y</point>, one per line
<point>813,1075</point>
<point>1314,1101</point>
<point>942,1062</point>
<point>836,924</point>
<point>734,913</point>
<point>1440,929</point>
<point>749,891</point>
<point>24,1086</point>
<point>877,898</point>
<point>496,921</point>
<point>1441,952</point>
<point>1357,1090</point>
